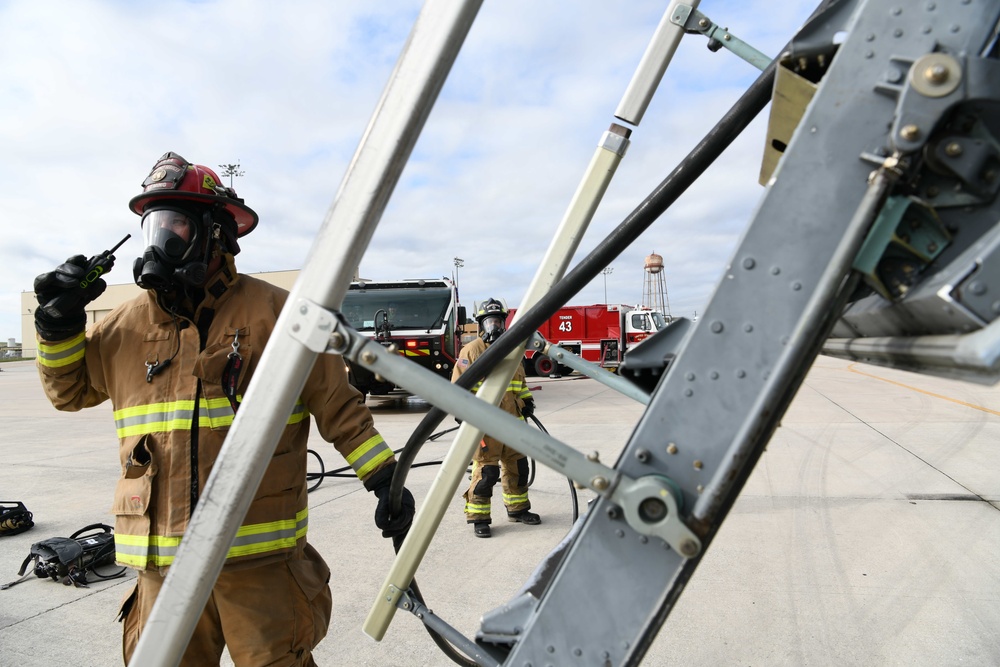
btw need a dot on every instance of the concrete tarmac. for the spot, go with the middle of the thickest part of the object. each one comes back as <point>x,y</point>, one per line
<point>867,534</point>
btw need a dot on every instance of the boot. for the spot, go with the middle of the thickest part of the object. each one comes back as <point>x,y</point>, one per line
<point>525,517</point>
<point>482,529</point>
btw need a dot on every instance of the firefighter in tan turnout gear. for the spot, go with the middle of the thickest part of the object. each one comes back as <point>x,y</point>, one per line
<point>494,461</point>
<point>175,361</point>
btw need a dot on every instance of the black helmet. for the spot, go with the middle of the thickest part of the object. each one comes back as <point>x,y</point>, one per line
<point>492,318</point>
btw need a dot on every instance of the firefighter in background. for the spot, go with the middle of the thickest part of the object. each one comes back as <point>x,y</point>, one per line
<point>174,361</point>
<point>494,461</point>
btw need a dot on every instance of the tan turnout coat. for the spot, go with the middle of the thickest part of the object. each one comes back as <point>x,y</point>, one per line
<point>171,428</point>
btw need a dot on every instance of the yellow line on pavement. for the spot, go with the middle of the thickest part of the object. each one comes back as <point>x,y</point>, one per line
<point>852,369</point>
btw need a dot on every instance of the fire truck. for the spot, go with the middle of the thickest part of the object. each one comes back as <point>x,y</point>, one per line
<point>420,317</point>
<point>600,333</point>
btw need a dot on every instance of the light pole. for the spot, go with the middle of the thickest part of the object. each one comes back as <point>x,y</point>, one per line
<point>231,170</point>
<point>459,263</point>
<point>605,271</point>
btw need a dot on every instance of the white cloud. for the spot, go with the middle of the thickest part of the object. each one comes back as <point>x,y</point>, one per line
<point>95,90</point>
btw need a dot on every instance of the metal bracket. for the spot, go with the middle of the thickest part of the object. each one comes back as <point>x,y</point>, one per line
<point>436,624</point>
<point>694,22</point>
<point>311,325</point>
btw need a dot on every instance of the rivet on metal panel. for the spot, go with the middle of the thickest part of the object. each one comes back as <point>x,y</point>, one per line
<point>698,464</point>
<point>672,448</point>
<point>368,357</point>
<point>599,483</point>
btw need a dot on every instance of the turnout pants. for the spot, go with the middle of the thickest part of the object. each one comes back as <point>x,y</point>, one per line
<point>273,614</point>
<point>493,462</point>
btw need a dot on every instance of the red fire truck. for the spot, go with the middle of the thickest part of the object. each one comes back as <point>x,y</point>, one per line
<point>600,333</point>
<point>421,318</point>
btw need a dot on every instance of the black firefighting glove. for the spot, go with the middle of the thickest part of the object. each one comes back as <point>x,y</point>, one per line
<point>529,408</point>
<point>391,526</point>
<point>62,288</point>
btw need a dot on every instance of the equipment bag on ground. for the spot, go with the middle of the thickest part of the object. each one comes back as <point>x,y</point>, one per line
<point>14,518</point>
<point>72,559</point>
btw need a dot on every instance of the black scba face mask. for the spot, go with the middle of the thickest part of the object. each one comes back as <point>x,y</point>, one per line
<point>176,241</point>
<point>492,327</point>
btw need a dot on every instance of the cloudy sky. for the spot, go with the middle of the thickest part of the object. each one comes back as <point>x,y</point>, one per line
<point>94,91</point>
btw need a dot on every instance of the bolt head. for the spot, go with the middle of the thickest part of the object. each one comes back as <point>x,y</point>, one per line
<point>689,548</point>
<point>936,74</point>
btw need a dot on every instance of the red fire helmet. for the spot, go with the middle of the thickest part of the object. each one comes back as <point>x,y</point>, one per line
<point>174,178</point>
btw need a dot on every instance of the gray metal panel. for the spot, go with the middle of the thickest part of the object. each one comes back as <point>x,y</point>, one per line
<point>728,387</point>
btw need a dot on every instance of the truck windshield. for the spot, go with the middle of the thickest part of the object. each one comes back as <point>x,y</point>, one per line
<point>418,308</point>
<point>659,321</point>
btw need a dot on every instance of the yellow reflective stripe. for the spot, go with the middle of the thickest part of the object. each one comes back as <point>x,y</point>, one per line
<point>154,418</point>
<point>514,499</point>
<point>178,415</point>
<point>472,508</point>
<point>141,550</point>
<point>62,354</point>
<point>515,387</point>
<point>369,455</point>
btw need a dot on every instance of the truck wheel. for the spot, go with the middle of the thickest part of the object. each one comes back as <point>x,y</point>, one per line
<point>544,366</point>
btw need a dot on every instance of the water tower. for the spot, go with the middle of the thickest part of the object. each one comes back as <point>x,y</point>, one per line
<point>654,293</point>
